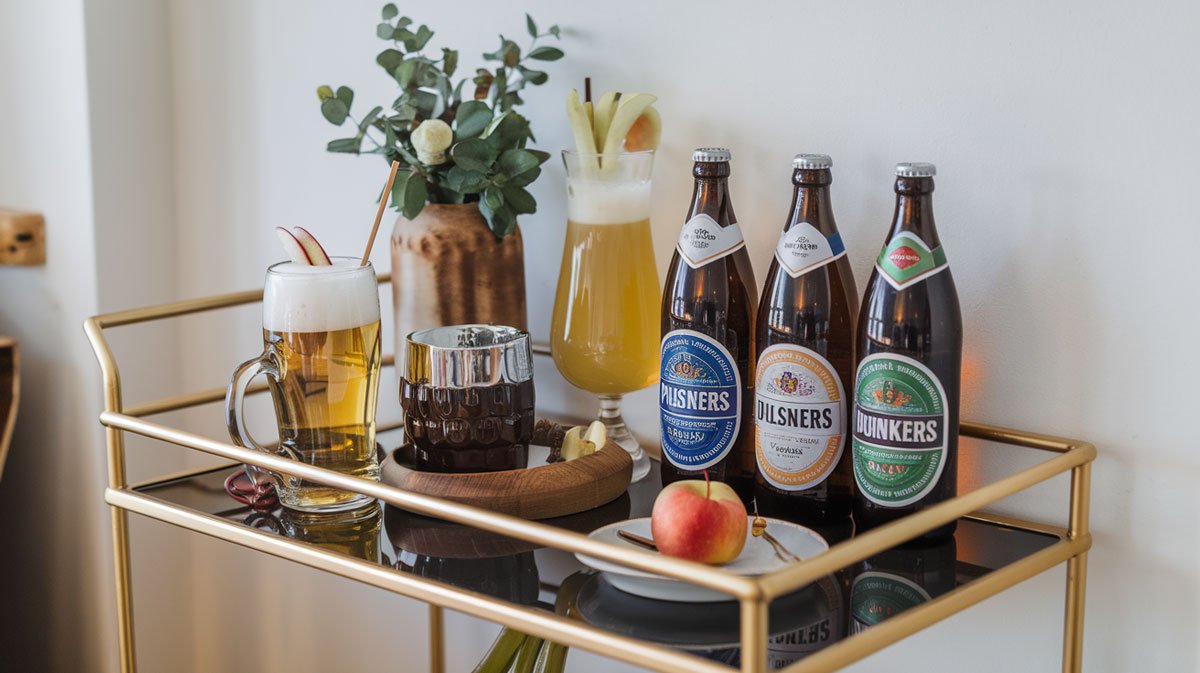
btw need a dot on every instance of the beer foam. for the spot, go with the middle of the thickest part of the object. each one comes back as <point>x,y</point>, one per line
<point>603,202</point>
<point>304,298</point>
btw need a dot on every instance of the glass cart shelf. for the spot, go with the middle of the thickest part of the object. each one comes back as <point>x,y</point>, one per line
<point>866,592</point>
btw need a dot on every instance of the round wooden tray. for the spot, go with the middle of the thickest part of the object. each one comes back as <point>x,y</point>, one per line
<point>541,491</point>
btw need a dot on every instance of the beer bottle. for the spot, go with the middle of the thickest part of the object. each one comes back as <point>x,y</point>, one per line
<point>905,427</point>
<point>805,346</point>
<point>900,579</point>
<point>707,360</point>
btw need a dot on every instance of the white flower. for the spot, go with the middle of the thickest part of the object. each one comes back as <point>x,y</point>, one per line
<point>430,140</point>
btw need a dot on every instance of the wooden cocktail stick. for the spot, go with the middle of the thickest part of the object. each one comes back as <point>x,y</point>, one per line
<point>379,215</point>
<point>637,539</point>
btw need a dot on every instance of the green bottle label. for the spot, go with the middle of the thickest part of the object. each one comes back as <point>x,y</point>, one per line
<point>907,260</point>
<point>876,596</point>
<point>899,439</point>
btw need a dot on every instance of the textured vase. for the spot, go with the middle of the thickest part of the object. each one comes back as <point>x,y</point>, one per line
<point>449,269</point>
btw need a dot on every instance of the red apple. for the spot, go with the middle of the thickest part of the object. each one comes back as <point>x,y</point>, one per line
<point>698,520</point>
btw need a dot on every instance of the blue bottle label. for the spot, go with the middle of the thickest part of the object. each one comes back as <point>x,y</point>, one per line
<point>700,397</point>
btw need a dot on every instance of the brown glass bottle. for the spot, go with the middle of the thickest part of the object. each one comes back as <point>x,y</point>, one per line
<point>899,579</point>
<point>805,365</point>
<point>906,391</point>
<point>707,365</point>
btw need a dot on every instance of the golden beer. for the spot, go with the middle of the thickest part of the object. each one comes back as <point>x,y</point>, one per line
<point>605,328</point>
<point>321,358</point>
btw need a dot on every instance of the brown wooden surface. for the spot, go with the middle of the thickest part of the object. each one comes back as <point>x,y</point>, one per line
<point>10,393</point>
<point>542,492</point>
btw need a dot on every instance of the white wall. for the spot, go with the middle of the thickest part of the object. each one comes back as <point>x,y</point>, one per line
<point>1064,134</point>
<point>55,571</point>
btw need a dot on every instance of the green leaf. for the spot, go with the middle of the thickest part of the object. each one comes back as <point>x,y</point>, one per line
<point>464,181</point>
<point>457,96</point>
<point>533,76</point>
<point>346,95</point>
<point>523,180</point>
<point>346,145</point>
<point>405,110</point>
<point>521,201</point>
<point>417,41</point>
<point>415,194</point>
<point>367,120</point>
<point>516,162</point>
<point>427,104</point>
<point>389,59</point>
<point>546,54</point>
<point>511,53</point>
<point>542,157</point>
<point>389,12</point>
<point>335,111</point>
<point>324,92</point>
<point>553,30</point>
<point>404,73</point>
<point>473,154</point>
<point>493,197</point>
<point>508,131</point>
<point>499,86</point>
<point>501,220</point>
<point>449,61</point>
<point>403,22</point>
<point>471,119</point>
<point>483,77</point>
<point>398,188</point>
<point>530,26</point>
<point>403,35</point>
<point>384,31</point>
<point>389,134</point>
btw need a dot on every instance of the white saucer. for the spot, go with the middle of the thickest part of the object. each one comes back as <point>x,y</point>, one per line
<point>757,558</point>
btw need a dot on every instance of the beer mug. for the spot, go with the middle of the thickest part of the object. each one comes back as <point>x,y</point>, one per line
<point>321,357</point>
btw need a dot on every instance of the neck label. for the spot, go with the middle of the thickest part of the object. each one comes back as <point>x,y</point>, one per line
<point>899,429</point>
<point>907,260</point>
<point>703,241</point>
<point>802,248</point>
<point>700,397</point>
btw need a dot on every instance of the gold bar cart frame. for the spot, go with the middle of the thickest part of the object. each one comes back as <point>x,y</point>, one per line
<point>754,594</point>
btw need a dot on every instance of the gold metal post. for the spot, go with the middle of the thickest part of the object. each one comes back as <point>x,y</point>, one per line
<point>755,630</point>
<point>1081,486</point>
<point>437,640</point>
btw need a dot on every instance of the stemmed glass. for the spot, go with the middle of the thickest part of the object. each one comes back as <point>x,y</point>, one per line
<point>605,330</point>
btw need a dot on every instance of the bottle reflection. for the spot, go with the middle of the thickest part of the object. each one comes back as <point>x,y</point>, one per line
<point>898,579</point>
<point>833,595</point>
<point>354,532</point>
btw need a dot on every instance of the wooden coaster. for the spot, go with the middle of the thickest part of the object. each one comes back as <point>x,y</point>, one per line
<point>542,492</point>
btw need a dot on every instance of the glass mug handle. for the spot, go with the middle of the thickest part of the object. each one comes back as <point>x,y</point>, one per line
<point>235,396</point>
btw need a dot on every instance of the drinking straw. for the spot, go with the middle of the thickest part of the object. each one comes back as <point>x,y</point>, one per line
<point>379,215</point>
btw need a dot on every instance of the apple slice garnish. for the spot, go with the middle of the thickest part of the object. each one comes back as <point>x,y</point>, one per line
<point>581,125</point>
<point>628,111</point>
<point>606,107</point>
<point>645,132</point>
<point>316,253</point>
<point>291,245</point>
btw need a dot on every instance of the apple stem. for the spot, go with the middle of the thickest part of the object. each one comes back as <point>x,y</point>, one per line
<point>383,199</point>
<point>587,89</point>
<point>707,486</point>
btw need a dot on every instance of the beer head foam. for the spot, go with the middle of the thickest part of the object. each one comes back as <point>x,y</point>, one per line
<point>304,298</point>
<point>608,202</point>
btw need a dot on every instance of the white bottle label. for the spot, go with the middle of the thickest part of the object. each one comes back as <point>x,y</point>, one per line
<point>702,241</point>
<point>799,417</point>
<point>803,248</point>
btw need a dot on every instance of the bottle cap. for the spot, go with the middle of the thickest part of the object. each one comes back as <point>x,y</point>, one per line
<point>807,162</point>
<point>915,169</point>
<point>711,155</point>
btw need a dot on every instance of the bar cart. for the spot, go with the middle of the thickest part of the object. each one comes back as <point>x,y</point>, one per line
<point>993,554</point>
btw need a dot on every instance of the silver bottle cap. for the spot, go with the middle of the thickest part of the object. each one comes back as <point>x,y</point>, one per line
<point>467,356</point>
<point>915,169</point>
<point>811,162</point>
<point>711,155</point>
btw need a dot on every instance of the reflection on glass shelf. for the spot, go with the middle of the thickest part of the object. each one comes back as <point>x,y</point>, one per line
<point>806,621</point>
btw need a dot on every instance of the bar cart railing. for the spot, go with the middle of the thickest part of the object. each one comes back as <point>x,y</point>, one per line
<point>753,594</point>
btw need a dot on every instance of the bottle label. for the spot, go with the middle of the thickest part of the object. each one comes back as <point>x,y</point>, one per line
<point>702,241</point>
<point>907,260</point>
<point>803,248</point>
<point>799,413</point>
<point>899,429</point>
<point>699,395</point>
<point>876,596</point>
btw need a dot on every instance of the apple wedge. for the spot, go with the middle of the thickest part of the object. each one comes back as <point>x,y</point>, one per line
<point>628,112</point>
<point>314,250</point>
<point>606,107</point>
<point>581,126</point>
<point>295,251</point>
<point>645,132</point>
